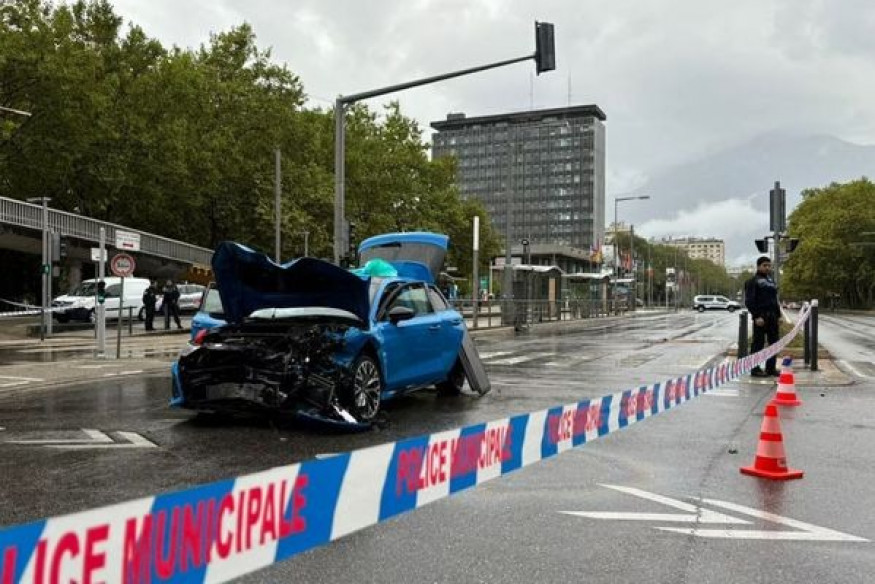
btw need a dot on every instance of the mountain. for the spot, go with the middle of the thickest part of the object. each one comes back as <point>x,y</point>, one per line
<point>740,178</point>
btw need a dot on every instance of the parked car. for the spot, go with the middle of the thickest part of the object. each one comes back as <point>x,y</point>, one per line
<point>80,302</point>
<point>322,342</point>
<point>703,303</point>
<point>211,313</point>
<point>190,296</point>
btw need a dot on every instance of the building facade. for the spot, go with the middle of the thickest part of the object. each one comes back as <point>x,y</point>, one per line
<point>540,174</point>
<point>701,248</point>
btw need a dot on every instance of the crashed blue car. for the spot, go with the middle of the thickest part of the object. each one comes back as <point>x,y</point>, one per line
<point>323,342</point>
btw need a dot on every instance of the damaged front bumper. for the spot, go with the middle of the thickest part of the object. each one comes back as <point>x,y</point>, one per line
<point>295,376</point>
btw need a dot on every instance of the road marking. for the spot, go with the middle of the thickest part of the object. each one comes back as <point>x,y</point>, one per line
<point>92,366</point>
<point>94,437</point>
<point>808,531</point>
<point>521,359</point>
<point>493,354</point>
<point>852,368</point>
<point>693,513</point>
<point>20,378</point>
<point>723,393</point>
<point>95,440</point>
<point>698,514</point>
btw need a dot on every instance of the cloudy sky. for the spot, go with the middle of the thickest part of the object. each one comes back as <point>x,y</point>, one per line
<point>678,79</point>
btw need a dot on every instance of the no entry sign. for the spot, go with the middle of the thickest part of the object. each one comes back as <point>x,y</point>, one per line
<point>122,265</point>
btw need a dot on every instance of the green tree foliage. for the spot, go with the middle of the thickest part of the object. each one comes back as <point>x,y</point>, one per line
<point>835,258</point>
<point>180,142</point>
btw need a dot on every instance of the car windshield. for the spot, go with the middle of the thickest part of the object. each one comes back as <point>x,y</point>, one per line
<point>213,302</point>
<point>83,289</point>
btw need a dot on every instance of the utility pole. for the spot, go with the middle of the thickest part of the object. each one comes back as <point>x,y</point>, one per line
<point>475,294</point>
<point>778,224</point>
<point>45,266</point>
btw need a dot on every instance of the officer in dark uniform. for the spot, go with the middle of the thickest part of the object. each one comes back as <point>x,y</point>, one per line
<point>761,299</point>
<point>150,299</point>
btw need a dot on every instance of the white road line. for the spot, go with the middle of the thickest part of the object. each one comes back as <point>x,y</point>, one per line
<point>135,372</point>
<point>492,354</point>
<point>852,368</point>
<point>20,378</point>
<point>520,359</point>
<point>94,437</point>
<point>723,393</point>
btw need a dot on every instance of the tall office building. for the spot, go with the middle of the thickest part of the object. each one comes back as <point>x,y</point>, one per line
<point>544,171</point>
<point>701,248</point>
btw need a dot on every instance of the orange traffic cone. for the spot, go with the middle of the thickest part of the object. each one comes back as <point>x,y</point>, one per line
<point>786,395</point>
<point>771,461</point>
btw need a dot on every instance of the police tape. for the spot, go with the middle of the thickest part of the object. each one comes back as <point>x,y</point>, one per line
<point>223,530</point>
<point>30,309</point>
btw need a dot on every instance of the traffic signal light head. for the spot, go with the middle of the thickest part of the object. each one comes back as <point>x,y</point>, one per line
<point>101,292</point>
<point>762,245</point>
<point>545,48</point>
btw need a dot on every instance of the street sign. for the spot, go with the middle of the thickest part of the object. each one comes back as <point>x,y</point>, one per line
<point>127,240</point>
<point>122,265</point>
<point>95,254</point>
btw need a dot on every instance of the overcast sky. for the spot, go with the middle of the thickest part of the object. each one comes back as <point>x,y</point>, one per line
<point>676,78</point>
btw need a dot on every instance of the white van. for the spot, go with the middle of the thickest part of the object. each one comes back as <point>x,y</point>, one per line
<point>79,303</point>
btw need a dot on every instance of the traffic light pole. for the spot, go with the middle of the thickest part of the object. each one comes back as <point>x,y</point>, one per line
<point>100,321</point>
<point>545,60</point>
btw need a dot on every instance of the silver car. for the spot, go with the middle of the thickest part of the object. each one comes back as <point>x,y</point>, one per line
<point>703,303</point>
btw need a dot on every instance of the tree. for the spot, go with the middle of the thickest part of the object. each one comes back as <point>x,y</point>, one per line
<point>833,258</point>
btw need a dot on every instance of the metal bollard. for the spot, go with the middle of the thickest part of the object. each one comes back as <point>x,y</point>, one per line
<point>130,320</point>
<point>813,339</point>
<point>806,341</point>
<point>742,334</point>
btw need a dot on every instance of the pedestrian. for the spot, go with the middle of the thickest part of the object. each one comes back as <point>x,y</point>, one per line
<point>761,299</point>
<point>150,299</point>
<point>170,305</point>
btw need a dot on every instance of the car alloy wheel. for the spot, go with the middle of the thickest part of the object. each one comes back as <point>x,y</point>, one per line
<point>367,387</point>
<point>701,309</point>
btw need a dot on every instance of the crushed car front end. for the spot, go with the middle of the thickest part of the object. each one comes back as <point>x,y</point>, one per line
<point>278,360</point>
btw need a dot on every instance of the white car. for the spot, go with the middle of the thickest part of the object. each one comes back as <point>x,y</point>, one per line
<point>79,303</point>
<point>703,303</point>
<point>189,299</point>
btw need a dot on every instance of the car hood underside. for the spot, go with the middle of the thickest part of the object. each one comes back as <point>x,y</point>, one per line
<point>249,281</point>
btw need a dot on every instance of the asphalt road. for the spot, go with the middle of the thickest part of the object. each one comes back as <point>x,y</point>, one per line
<point>512,529</point>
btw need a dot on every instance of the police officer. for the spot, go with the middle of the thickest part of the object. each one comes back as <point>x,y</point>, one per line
<point>150,299</point>
<point>170,305</point>
<point>761,299</point>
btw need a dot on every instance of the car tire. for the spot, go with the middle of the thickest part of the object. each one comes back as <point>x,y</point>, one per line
<point>730,308</point>
<point>62,318</point>
<point>700,308</point>
<point>367,388</point>
<point>455,381</point>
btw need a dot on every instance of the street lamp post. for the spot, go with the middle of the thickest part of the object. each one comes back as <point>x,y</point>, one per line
<point>616,236</point>
<point>45,266</point>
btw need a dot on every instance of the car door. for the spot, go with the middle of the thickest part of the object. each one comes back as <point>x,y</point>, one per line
<point>408,346</point>
<point>452,330</point>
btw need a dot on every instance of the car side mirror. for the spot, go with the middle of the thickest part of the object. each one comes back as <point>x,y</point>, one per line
<point>400,313</point>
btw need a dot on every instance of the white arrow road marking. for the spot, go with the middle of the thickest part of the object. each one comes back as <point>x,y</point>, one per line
<point>809,532</point>
<point>693,513</point>
<point>94,437</point>
<point>134,441</point>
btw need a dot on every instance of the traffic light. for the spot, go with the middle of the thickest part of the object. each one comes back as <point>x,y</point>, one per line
<point>63,248</point>
<point>762,245</point>
<point>545,48</point>
<point>352,251</point>
<point>101,292</point>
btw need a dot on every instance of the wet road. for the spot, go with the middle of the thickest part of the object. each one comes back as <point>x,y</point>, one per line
<point>511,529</point>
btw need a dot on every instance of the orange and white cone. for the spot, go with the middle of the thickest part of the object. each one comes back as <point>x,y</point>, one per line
<point>786,395</point>
<point>771,460</point>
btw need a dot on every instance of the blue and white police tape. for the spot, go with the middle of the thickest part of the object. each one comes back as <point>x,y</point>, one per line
<point>223,530</point>
<point>29,309</point>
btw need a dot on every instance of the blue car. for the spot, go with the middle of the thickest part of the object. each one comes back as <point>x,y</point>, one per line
<point>314,339</point>
<point>210,314</point>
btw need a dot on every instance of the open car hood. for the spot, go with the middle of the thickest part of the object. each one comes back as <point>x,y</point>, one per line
<point>417,255</point>
<point>249,280</point>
